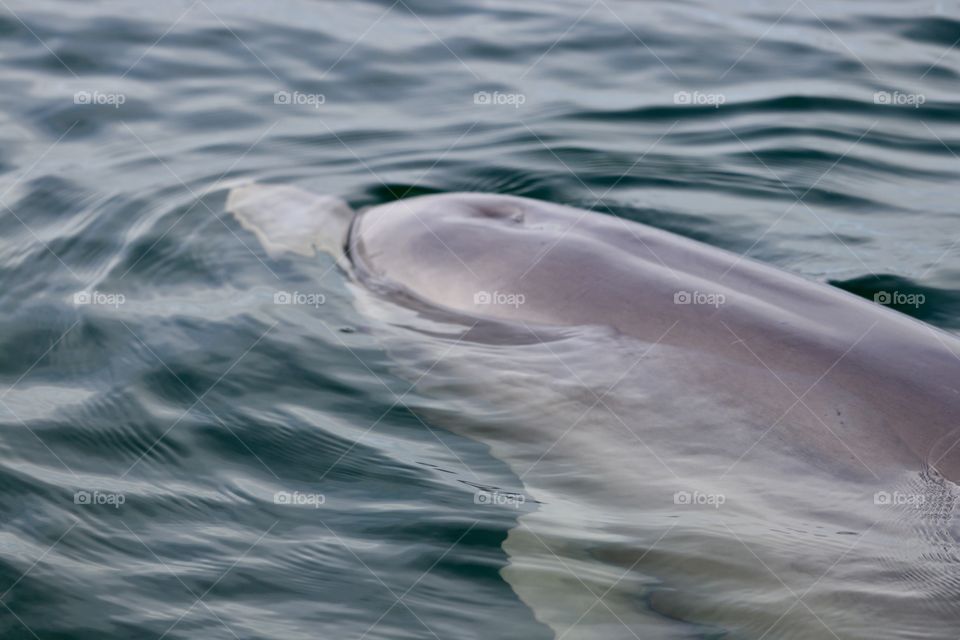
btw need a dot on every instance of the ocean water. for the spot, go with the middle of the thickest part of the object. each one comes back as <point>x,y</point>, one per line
<point>183,457</point>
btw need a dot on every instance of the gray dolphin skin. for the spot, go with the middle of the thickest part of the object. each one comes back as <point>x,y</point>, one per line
<point>578,268</point>
<point>685,423</point>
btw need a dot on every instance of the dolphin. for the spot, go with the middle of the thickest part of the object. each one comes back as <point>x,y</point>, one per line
<point>711,446</point>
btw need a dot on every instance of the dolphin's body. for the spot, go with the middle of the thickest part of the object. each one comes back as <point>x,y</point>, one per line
<point>642,372</point>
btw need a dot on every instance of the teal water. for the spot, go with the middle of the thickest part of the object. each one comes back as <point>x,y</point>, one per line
<point>189,410</point>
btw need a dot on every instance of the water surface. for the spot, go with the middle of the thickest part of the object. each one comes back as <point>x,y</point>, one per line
<point>258,470</point>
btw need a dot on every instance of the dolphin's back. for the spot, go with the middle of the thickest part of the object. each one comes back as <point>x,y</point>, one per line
<point>620,371</point>
<point>773,334</point>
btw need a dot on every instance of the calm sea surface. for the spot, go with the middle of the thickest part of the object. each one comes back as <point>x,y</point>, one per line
<point>182,458</point>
